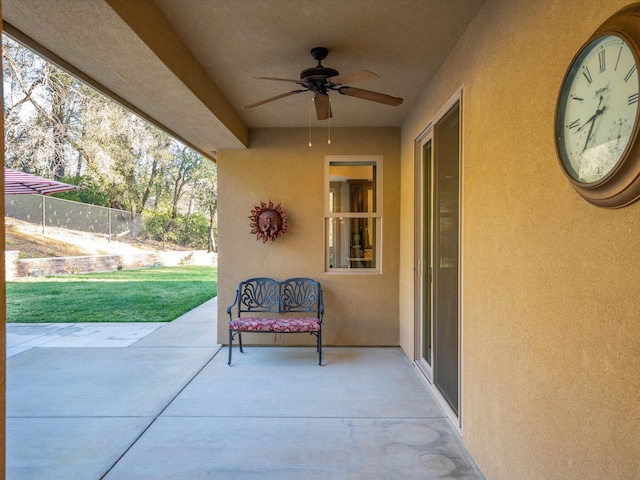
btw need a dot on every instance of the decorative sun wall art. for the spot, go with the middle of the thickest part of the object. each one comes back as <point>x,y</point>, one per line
<point>268,222</point>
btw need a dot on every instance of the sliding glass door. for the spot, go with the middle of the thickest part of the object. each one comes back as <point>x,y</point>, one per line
<point>437,255</point>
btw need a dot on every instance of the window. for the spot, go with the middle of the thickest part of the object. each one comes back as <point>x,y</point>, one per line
<point>353,213</point>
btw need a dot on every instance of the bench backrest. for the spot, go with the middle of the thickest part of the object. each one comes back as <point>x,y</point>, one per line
<point>266,295</point>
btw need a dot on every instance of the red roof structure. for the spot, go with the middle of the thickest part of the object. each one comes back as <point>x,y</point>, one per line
<point>16,183</point>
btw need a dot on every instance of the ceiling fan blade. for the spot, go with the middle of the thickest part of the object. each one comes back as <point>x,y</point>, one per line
<point>323,106</point>
<point>279,79</point>
<point>353,77</point>
<point>277,97</point>
<point>372,96</point>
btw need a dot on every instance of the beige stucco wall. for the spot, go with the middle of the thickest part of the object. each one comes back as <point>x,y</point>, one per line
<point>550,284</point>
<point>361,309</point>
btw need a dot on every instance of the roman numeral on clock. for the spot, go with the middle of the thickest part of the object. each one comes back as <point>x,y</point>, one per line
<point>633,69</point>
<point>633,99</point>
<point>618,59</point>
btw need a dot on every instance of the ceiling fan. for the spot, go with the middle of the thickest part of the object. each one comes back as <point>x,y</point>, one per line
<point>321,79</point>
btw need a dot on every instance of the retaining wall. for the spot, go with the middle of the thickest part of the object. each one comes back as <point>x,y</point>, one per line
<point>16,267</point>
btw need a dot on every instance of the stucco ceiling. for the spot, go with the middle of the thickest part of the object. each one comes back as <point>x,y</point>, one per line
<point>188,64</point>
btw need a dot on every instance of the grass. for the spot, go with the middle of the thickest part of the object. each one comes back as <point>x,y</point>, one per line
<point>158,294</point>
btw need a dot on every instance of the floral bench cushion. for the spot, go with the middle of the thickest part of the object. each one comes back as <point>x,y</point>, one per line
<point>284,325</point>
<point>287,325</point>
<point>251,324</point>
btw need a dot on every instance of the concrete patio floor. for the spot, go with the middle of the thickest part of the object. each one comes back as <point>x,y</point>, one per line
<point>158,401</point>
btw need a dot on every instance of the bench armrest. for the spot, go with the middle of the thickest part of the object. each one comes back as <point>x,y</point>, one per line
<point>235,301</point>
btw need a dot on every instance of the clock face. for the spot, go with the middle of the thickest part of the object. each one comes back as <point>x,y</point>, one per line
<point>597,109</point>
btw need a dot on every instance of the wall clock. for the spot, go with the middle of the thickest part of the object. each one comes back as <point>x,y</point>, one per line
<point>597,115</point>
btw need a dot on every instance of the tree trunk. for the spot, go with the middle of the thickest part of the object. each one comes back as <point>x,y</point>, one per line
<point>212,247</point>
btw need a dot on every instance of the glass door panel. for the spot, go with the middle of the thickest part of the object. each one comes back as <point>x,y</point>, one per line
<point>446,202</point>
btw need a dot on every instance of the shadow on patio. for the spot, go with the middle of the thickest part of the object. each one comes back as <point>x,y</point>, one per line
<point>83,404</point>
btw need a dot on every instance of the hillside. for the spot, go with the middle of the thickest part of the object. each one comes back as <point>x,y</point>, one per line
<point>28,239</point>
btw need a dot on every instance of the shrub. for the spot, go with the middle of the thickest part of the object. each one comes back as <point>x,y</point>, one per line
<point>91,193</point>
<point>189,231</point>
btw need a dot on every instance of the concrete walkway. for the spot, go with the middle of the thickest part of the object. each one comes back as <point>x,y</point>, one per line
<point>141,401</point>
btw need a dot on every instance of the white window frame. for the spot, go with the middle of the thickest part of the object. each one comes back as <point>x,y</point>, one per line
<point>376,215</point>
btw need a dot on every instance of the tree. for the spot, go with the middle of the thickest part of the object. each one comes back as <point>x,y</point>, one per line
<point>42,112</point>
<point>185,170</point>
<point>23,80</point>
<point>206,194</point>
<point>58,127</point>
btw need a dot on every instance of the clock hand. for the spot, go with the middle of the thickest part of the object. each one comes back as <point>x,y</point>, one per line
<point>593,117</point>
<point>592,120</point>
<point>619,133</point>
<point>588,135</point>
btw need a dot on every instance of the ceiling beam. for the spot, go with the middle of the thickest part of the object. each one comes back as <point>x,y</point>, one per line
<point>150,25</point>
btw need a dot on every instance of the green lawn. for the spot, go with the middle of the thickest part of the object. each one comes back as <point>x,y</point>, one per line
<point>158,294</point>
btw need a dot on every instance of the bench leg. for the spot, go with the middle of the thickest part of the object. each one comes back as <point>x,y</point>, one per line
<point>319,347</point>
<point>231,335</point>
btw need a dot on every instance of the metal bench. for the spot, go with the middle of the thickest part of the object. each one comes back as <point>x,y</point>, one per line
<point>265,305</point>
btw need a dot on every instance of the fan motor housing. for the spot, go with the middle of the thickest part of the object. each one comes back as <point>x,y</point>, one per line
<point>317,73</point>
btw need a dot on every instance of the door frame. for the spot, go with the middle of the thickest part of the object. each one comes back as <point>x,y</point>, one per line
<point>420,257</point>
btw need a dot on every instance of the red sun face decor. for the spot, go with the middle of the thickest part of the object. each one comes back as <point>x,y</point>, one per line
<point>268,222</point>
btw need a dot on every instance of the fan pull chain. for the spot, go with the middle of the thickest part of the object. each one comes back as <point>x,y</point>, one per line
<point>312,100</point>
<point>329,139</point>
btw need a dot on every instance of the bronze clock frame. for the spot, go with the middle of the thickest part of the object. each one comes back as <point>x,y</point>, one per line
<point>620,186</point>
